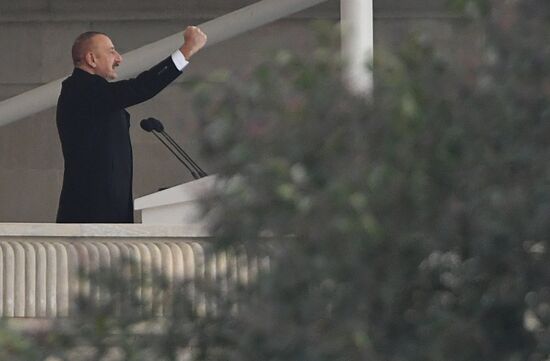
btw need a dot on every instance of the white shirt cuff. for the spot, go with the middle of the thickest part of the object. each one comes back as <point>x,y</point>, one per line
<point>179,60</point>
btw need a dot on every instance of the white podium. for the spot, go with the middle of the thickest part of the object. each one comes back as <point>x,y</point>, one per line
<point>176,205</point>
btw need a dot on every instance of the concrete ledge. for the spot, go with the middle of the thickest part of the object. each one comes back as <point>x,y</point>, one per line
<point>111,231</point>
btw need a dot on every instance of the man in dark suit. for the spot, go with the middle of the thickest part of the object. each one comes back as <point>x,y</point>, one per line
<point>94,126</point>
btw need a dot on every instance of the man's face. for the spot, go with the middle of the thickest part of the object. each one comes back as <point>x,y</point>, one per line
<point>105,56</point>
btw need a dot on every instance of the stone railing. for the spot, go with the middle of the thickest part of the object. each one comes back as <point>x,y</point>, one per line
<point>41,265</point>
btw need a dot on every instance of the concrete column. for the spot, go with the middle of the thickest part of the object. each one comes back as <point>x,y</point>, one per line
<point>357,43</point>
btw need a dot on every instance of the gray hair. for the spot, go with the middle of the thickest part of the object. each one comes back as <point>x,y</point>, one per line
<point>81,45</point>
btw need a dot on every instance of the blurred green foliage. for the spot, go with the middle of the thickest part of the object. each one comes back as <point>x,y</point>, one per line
<point>413,225</point>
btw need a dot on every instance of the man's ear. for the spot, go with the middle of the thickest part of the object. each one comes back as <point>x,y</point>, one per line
<point>90,59</point>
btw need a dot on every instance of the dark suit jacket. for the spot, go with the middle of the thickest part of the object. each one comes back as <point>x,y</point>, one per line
<point>94,131</point>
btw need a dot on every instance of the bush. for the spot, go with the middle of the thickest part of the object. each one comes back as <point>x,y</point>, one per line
<point>412,227</point>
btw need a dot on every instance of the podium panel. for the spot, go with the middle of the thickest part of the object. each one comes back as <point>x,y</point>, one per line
<point>176,205</point>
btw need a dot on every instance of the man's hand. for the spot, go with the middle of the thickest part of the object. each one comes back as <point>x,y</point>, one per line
<point>194,40</point>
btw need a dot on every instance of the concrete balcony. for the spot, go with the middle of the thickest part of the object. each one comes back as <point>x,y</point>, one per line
<point>41,264</point>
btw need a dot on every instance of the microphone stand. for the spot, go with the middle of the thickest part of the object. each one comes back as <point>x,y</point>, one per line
<point>176,155</point>
<point>184,154</point>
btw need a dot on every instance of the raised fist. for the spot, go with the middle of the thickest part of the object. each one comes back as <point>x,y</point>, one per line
<point>194,40</point>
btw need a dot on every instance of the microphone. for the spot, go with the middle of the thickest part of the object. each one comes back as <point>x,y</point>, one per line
<point>150,126</point>
<point>147,125</point>
<point>159,127</point>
